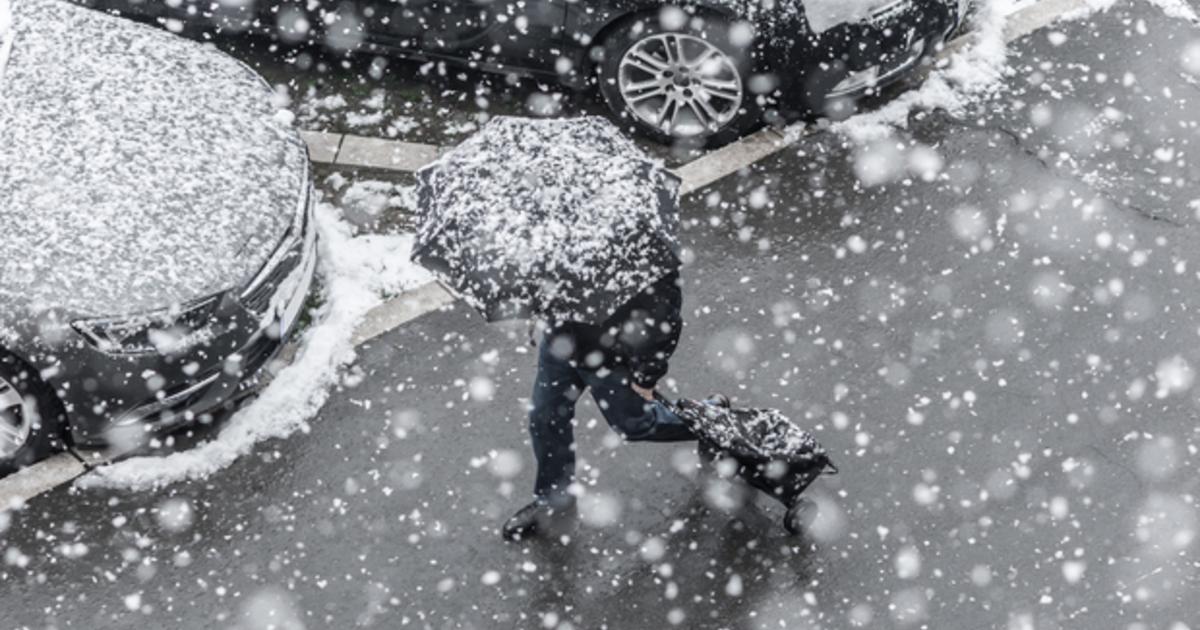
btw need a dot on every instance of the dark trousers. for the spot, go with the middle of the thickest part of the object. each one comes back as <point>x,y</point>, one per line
<point>558,387</point>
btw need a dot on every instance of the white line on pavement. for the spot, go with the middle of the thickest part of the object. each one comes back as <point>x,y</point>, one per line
<point>351,150</point>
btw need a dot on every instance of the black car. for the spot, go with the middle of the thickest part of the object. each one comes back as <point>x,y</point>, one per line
<point>709,70</point>
<point>157,243</point>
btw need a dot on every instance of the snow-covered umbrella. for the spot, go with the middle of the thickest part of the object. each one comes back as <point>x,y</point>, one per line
<point>560,219</point>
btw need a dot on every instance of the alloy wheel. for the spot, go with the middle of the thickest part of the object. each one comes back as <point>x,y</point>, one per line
<point>680,84</point>
<point>15,423</point>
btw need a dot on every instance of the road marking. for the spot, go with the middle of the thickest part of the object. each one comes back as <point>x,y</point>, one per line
<point>19,488</point>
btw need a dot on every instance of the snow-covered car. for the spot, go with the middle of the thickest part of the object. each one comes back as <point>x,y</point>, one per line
<point>156,233</point>
<point>708,70</point>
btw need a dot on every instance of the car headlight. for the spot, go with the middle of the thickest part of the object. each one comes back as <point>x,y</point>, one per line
<point>165,331</point>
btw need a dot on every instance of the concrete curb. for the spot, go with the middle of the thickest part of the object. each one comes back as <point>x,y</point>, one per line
<point>363,152</point>
<point>401,310</point>
<point>27,483</point>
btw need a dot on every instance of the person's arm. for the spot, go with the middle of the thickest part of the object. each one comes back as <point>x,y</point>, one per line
<point>659,309</point>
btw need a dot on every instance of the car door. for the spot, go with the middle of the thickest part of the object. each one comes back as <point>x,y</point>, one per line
<point>507,33</point>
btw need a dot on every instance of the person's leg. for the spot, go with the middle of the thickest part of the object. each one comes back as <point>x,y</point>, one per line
<point>634,417</point>
<point>555,391</point>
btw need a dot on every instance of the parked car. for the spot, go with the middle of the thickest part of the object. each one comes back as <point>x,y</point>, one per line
<point>157,242</point>
<point>708,70</point>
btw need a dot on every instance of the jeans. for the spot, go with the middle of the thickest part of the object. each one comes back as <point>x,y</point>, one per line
<point>558,387</point>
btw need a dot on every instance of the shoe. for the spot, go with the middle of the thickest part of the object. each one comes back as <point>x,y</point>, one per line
<point>538,516</point>
<point>718,400</point>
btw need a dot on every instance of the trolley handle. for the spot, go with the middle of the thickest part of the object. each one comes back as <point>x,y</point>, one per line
<point>830,468</point>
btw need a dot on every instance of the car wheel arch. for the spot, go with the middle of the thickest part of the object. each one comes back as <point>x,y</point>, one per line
<point>641,11</point>
<point>48,402</point>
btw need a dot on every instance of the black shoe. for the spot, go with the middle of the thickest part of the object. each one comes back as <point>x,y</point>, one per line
<point>718,400</point>
<point>536,517</point>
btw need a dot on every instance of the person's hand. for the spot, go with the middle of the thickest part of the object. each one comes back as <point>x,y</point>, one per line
<point>644,392</point>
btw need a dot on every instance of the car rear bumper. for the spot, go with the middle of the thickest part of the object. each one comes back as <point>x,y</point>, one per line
<point>857,59</point>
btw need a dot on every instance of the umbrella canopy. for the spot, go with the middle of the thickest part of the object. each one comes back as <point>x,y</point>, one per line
<point>560,219</point>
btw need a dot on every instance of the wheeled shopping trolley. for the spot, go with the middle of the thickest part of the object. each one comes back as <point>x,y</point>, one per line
<point>771,452</point>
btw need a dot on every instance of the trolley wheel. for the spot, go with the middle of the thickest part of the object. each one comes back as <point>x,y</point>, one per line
<point>800,516</point>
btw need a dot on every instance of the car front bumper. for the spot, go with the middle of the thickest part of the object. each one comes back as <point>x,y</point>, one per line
<point>110,398</point>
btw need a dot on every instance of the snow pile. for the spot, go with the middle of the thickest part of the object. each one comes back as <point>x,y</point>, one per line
<point>972,74</point>
<point>562,218</point>
<point>373,197</point>
<point>356,272</point>
<point>1178,9</point>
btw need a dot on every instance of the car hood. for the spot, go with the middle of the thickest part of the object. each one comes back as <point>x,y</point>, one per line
<point>137,169</point>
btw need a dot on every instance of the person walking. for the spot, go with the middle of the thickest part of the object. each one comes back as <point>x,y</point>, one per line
<point>621,361</point>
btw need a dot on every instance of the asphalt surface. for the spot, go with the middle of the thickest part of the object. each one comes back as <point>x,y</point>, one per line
<point>1000,360</point>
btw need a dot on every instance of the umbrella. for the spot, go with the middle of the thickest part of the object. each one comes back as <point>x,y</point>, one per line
<point>561,219</point>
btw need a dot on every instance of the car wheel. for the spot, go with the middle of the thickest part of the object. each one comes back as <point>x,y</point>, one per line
<point>800,516</point>
<point>30,421</point>
<point>672,86</point>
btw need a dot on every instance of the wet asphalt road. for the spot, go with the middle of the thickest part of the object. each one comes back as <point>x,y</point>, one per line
<point>1000,360</point>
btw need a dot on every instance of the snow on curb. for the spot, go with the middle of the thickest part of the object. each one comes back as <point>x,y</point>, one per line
<point>358,272</point>
<point>977,71</point>
<point>973,73</point>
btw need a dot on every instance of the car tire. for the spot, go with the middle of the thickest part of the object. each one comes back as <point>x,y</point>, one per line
<point>29,414</point>
<point>692,79</point>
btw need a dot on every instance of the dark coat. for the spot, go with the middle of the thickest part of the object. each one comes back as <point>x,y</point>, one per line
<point>641,335</point>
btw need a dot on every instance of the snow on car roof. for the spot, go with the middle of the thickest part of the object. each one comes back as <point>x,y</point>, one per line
<point>137,169</point>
